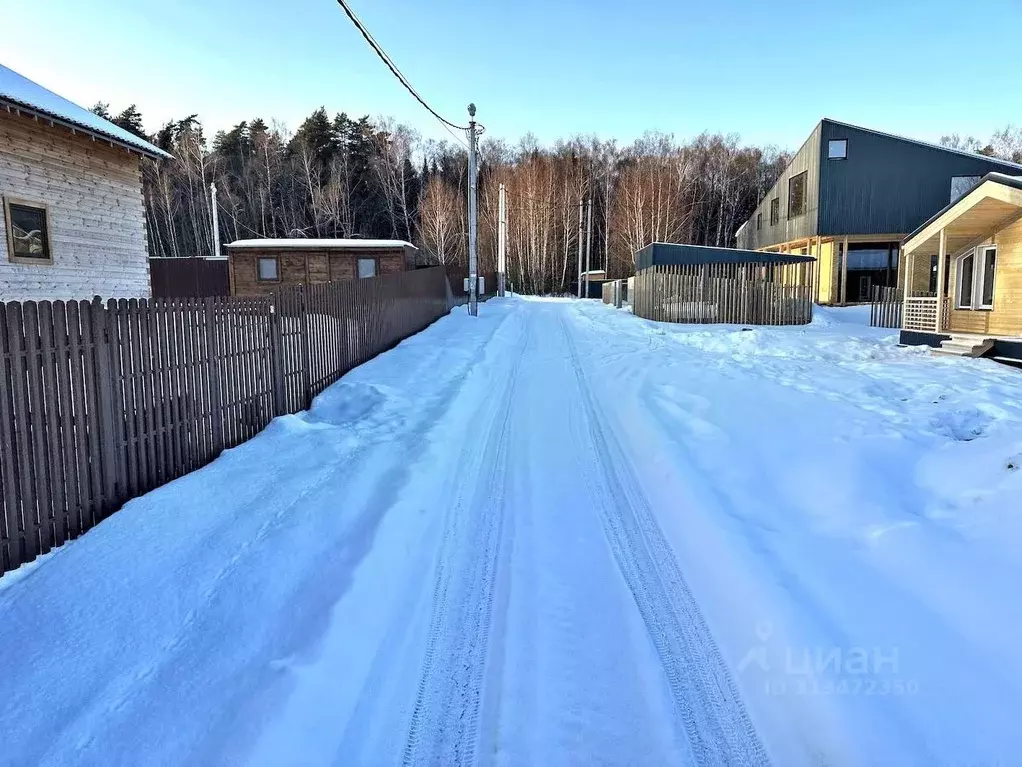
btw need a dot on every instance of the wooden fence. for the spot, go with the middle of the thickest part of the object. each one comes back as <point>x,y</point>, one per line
<point>744,293</point>
<point>885,307</point>
<point>100,403</point>
<point>189,277</point>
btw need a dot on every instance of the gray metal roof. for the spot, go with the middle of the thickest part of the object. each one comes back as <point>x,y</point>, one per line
<point>675,254</point>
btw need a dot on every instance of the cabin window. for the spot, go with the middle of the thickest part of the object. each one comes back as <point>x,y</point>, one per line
<point>759,221</point>
<point>837,149</point>
<point>366,267</point>
<point>987,266</point>
<point>966,280</point>
<point>976,277</point>
<point>269,269</point>
<point>775,211</point>
<point>28,233</point>
<point>797,194</point>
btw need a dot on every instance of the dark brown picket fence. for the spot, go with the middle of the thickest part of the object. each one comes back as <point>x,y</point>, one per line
<point>886,307</point>
<point>100,403</point>
<point>740,293</point>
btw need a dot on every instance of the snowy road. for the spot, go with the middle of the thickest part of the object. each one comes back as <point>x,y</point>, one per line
<point>555,535</point>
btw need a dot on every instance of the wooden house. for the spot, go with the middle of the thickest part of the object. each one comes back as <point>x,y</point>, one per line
<point>260,266</point>
<point>850,195</point>
<point>963,285</point>
<point>73,213</point>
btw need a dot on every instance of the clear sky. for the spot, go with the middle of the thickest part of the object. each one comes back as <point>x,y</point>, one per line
<point>767,70</point>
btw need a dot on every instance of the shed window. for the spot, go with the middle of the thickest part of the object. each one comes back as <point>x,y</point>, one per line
<point>797,194</point>
<point>268,269</point>
<point>759,221</point>
<point>28,236</point>
<point>366,267</point>
<point>976,276</point>
<point>837,149</point>
<point>775,211</point>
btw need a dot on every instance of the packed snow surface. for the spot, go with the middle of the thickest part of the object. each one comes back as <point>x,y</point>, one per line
<point>559,534</point>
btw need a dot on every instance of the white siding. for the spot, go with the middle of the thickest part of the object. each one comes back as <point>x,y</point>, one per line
<point>93,193</point>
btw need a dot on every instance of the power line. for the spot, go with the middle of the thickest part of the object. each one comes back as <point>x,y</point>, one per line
<point>393,67</point>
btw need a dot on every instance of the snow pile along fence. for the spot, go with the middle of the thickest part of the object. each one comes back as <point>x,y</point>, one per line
<point>100,403</point>
<point>746,293</point>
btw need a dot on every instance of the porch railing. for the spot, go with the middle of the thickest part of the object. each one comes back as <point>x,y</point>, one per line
<point>921,314</point>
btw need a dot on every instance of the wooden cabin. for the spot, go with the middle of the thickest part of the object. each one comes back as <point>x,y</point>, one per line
<point>73,213</point>
<point>848,198</point>
<point>963,285</point>
<point>260,266</point>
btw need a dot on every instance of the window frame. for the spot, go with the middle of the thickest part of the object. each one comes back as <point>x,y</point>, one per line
<point>9,232</point>
<point>759,221</point>
<point>775,208</point>
<point>376,267</point>
<point>979,278</point>
<point>837,141</point>
<point>804,176</point>
<point>979,256</point>
<point>259,273</point>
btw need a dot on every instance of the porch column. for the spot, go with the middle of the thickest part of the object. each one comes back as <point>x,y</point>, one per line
<point>941,268</point>
<point>842,290</point>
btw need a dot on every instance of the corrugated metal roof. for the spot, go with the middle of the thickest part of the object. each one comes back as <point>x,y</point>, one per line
<point>298,243</point>
<point>676,254</point>
<point>18,91</point>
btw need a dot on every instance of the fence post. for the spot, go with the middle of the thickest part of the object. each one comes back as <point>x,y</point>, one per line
<point>215,384</point>
<point>306,362</point>
<point>103,359</point>
<point>276,359</point>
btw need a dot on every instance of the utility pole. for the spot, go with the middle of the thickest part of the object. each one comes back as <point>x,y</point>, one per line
<point>580,247</point>
<point>473,264</point>
<point>502,243</point>
<point>216,220</point>
<point>589,241</point>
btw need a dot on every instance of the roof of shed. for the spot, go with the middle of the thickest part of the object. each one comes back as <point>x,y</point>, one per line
<point>18,91</point>
<point>300,243</point>
<point>674,254</point>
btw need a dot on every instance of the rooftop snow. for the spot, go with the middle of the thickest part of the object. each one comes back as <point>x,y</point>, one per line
<point>22,92</point>
<point>304,244</point>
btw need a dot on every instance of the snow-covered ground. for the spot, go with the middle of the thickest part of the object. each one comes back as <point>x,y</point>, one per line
<point>559,534</point>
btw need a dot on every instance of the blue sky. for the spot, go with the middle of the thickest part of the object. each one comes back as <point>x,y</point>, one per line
<point>766,70</point>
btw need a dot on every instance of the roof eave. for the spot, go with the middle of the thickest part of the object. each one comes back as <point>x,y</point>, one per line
<point>39,114</point>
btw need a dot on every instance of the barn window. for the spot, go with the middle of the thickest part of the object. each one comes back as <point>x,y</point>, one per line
<point>797,194</point>
<point>837,149</point>
<point>366,267</point>
<point>269,270</point>
<point>775,211</point>
<point>28,235</point>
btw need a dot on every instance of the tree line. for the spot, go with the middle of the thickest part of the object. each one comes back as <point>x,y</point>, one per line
<point>348,177</point>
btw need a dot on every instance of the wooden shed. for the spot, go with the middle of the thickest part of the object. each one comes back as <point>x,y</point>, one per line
<point>72,209</point>
<point>260,266</point>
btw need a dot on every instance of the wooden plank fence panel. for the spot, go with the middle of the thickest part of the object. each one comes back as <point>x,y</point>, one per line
<point>100,403</point>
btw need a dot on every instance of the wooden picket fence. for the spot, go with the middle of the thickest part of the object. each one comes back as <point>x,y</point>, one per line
<point>742,293</point>
<point>101,403</point>
<point>886,307</point>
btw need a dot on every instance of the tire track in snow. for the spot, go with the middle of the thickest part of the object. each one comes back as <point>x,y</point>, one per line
<point>715,721</point>
<point>444,722</point>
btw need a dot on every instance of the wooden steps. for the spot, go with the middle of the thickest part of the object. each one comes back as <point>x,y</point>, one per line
<point>965,346</point>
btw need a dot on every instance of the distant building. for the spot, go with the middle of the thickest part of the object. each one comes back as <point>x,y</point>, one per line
<point>848,198</point>
<point>259,266</point>
<point>73,213</point>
